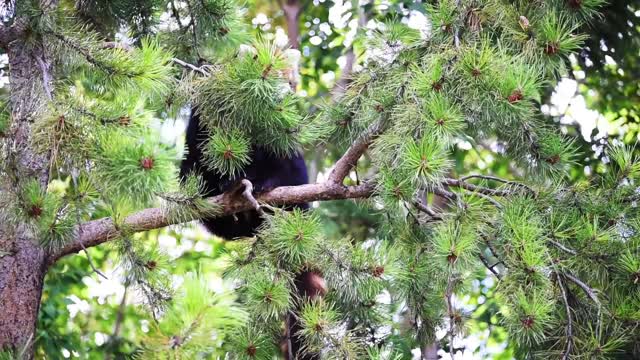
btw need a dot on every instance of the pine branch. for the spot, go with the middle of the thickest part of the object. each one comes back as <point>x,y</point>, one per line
<point>495,178</point>
<point>96,232</point>
<point>591,293</point>
<point>427,210</point>
<point>562,247</point>
<point>123,46</point>
<point>355,151</point>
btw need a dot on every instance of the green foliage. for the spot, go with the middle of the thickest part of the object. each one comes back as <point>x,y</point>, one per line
<point>60,327</point>
<point>269,297</point>
<point>189,202</point>
<point>528,316</point>
<point>387,272</point>
<point>133,168</point>
<point>425,161</point>
<point>206,29</point>
<point>317,319</point>
<point>45,212</point>
<point>455,246</point>
<point>144,70</point>
<point>249,97</point>
<point>444,120</point>
<point>250,344</point>
<point>105,16</point>
<point>293,237</point>
<point>557,38</point>
<point>194,318</point>
<point>227,153</point>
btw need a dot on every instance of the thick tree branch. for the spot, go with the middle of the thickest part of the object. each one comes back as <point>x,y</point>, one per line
<point>99,231</point>
<point>96,232</point>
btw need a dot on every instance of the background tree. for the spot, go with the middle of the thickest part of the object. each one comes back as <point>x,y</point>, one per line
<point>80,156</point>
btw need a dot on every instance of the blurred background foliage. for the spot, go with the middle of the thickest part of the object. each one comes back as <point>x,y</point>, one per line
<point>91,316</point>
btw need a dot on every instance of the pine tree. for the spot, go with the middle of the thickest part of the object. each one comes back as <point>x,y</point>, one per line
<point>82,112</point>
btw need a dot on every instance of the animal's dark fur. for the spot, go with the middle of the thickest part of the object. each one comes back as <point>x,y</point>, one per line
<point>266,171</point>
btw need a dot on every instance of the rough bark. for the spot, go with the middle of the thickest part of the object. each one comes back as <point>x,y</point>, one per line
<point>21,280</point>
<point>22,260</point>
<point>99,231</point>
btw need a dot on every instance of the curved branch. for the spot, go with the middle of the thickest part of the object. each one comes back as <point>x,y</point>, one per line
<point>353,154</point>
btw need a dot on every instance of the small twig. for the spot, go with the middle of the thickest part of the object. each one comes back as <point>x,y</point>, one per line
<point>80,229</point>
<point>491,268</point>
<point>190,66</point>
<point>290,320</point>
<point>492,249</point>
<point>456,39</point>
<point>119,318</point>
<point>449,295</point>
<point>445,193</point>
<point>486,197</point>
<point>93,267</point>
<point>586,288</point>
<point>475,188</point>
<point>495,178</point>
<point>562,247</point>
<point>176,14</point>
<point>427,210</point>
<point>591,293</point>
<point>415,218</point>
<point>569,331</point>
<point>273,209</point>
<point>252,252</point>
<point>117,45</point>
<point>192,24</point>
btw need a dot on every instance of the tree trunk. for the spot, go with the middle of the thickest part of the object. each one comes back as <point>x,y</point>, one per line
<point>22,260</point>
<point>21,279</point>
<point>292,10</point>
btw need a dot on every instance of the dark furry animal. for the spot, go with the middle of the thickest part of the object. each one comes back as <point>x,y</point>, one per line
<point>266,171</point>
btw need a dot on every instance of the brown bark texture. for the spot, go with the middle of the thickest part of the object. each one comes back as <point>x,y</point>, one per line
<point>22,259</point>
